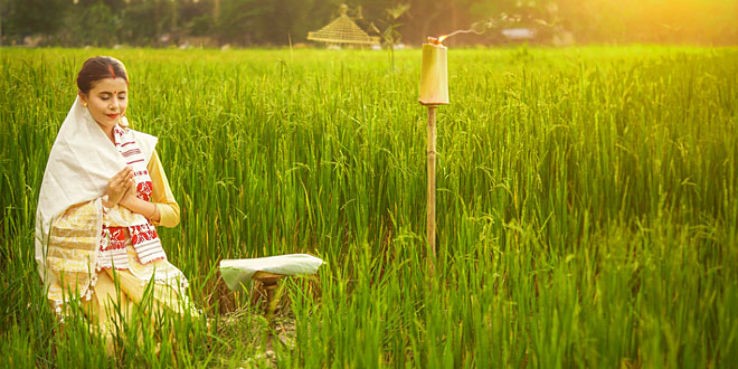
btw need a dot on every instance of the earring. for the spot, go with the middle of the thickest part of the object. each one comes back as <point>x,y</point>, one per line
<point>84,104</point>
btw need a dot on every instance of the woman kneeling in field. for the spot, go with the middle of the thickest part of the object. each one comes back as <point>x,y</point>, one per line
<point>103,194</point>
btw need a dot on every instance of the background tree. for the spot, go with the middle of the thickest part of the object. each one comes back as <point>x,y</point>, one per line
<point>149,22</point>
<point>21,18</point>
<point>286,21</point>
<point>196,17</point>
<point>242,22</point>
<point>91,23</point>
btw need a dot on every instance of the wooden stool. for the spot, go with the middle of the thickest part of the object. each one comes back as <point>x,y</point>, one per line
<point>265,285</point>
<point>266,272</point>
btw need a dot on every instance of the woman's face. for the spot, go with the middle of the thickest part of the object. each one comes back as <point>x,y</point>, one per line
<point>107,101</point>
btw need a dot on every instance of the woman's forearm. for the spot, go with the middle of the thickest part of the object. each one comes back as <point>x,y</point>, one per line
<point>162,194</point>
<point>145,208</point>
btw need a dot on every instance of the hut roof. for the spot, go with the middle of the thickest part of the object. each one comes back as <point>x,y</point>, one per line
<point>343,30</point>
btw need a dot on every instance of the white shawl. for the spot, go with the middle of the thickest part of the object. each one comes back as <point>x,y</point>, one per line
<point>81,162</point>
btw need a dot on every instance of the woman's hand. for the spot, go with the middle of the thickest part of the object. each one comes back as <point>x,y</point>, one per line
<point>118,186</point>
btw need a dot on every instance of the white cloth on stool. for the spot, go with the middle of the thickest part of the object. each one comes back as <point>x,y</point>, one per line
<point>238,271</point>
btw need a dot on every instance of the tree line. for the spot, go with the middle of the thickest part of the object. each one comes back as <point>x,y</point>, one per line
<point>161,23</point>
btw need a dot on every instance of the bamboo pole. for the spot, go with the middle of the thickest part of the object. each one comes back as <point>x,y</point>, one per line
<point>431,197</point>
<point>433,92</point>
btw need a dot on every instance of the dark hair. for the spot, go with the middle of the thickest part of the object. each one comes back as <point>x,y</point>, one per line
<point>97,68</point>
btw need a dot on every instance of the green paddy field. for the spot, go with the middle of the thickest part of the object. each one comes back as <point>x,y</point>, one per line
<point>587,207</point>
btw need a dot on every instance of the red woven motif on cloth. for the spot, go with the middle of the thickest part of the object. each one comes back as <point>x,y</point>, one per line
<point>143,233</point>
<point>117,238</point>
<point>144,189</point>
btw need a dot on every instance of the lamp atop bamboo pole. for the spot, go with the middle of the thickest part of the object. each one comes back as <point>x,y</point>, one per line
<point>434,73</point>
<point>433,92</point>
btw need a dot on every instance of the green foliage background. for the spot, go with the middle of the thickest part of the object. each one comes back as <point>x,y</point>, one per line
<point>163,23</point>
